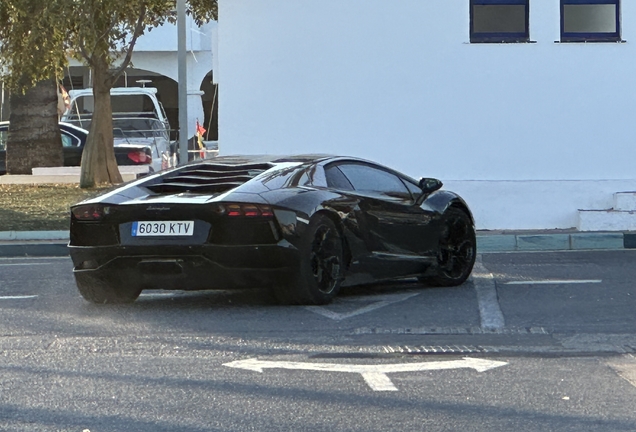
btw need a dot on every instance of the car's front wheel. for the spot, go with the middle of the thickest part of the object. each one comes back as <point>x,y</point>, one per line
<point>99,291</point>
<point>320,271</point>
<point>456,251</point>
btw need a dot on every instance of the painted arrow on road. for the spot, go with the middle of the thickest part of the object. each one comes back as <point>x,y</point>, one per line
<point>374,375</point>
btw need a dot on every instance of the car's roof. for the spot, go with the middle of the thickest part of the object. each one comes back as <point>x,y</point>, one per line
<point>67,125</point>
<point>116,91</point>
<point>285,160</point>
<point>273,159</point>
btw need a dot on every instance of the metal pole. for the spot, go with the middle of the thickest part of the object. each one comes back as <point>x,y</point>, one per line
<point>183,81</point>
<point>2,103</point>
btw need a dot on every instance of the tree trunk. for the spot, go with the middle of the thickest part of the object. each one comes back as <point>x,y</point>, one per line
<point>34,135</point>
<point>98,159</point>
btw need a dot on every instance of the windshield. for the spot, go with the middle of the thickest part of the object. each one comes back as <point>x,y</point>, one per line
<point>138,128</point>
<point>131,127</point>
<point>83,106</point>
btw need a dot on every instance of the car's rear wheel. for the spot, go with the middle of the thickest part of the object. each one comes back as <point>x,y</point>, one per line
<point>321,266</point>
<point>457,250</point>
<point>99,291</point>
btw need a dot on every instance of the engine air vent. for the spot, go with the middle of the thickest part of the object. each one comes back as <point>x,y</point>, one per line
<point>208,178</point>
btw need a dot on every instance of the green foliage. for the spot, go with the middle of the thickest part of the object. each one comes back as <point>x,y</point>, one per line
<point>33,37</point>
<point>37,37</point>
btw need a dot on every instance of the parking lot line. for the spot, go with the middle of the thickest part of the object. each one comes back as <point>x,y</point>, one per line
<point>553,281</point>
<point>489,309</point>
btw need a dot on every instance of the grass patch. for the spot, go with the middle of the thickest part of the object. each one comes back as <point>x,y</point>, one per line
<point>40,207</point>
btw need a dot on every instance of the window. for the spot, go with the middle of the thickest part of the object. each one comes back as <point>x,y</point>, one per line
<point>4,135</point>
<point>590,21</point>
<point>336,179</point>
<point>368,179</point>
<point>415,190</point>
<point>499,21</point>
<point>69,140</point>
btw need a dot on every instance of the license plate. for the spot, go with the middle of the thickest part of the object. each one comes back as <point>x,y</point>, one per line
<point>162,228</point>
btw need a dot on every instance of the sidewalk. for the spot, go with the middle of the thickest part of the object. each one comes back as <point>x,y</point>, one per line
<point>53,243</point>
<point>553,240</point>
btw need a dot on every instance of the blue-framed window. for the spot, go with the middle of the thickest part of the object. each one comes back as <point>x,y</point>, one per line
<point>498,21</point>
<point>590,21</point>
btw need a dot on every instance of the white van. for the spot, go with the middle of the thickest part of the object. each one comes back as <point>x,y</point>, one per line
<point>138,120</point>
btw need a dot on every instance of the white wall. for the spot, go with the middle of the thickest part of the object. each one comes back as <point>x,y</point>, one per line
<point>398,82</point>
<point>164,38</point>
<point>156,51</point>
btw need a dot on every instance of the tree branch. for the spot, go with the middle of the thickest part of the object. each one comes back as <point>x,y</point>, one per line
<point>139,27</point>
<point>85,55</point>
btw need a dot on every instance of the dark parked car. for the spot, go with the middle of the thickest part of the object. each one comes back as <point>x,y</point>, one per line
<point>73,141</point>
<point>304,226</point>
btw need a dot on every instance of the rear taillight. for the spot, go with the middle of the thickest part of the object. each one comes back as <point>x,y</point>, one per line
<point>90,212</point>
<point>139,157</point>
<point>245,210</point>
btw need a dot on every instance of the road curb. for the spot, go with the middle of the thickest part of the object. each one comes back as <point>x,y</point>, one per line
<point>33,235</point>
<point>527,242</point>
<point>54,243</point>
<point>36,249</point>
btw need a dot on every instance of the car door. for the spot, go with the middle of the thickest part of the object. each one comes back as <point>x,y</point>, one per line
<point>396,230</point>
<point>71,148</point>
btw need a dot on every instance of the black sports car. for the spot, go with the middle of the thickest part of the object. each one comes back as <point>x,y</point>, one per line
<point>304,226</point>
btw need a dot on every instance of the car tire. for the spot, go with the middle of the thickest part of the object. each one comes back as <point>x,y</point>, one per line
<point>456,251</point>
<point>321,267</point>
<point>100,291</point>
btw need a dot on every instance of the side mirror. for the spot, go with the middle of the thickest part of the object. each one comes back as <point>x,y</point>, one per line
<point>429,185</point>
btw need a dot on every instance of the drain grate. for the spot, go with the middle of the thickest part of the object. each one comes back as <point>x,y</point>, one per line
<point>452,331</point>
<point>446,349</point>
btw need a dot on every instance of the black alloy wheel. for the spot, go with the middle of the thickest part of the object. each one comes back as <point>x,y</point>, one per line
<point>457,249</point>
<point>321,265</point>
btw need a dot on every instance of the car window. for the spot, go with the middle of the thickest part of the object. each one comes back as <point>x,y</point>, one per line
<point>68,141</point>
<point>416,191</point>
<point>336,179</point>
<point>3,139</point>
<point>365,178</point>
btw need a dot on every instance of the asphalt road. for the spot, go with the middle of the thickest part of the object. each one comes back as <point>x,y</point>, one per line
<point>533,342</point>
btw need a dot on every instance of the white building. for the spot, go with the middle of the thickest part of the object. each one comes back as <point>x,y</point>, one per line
<point>154,64</point>
<point>528,131</point>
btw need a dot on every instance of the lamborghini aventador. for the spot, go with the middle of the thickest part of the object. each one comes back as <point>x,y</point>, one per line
<point>303,226</point>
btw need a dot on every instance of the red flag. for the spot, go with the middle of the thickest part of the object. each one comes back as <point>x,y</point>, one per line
<point>200,131</point>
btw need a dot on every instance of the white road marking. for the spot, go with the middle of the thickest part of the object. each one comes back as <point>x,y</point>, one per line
<point>554,281</point>
<point>17,297</point>
<point>374,375</point>
<point>489,309</point>
<point>378,381</point>
<point>181,294</point>
<point>25,264</point>
<point>380,302</point>
<point>626,368</point>
<point>25,258</point>
<point>169,294</point>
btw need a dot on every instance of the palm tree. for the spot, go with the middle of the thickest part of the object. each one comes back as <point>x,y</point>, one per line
<point>34,135</point>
